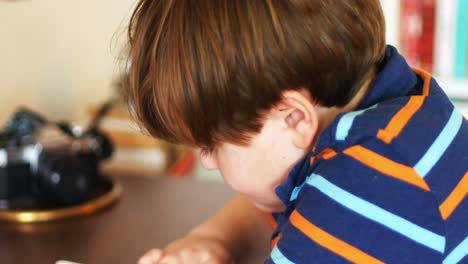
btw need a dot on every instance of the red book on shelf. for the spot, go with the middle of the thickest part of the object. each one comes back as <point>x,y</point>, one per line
<point>411,30</point>
<point>426,42</point>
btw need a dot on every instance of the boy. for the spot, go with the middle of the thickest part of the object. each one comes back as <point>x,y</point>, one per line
<point>309,116</point>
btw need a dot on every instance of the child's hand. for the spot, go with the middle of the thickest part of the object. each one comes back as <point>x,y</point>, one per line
<point>232,233</point>
<point>190,249</point>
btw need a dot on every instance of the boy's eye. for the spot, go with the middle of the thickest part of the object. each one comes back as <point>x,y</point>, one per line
<point>206,151</point>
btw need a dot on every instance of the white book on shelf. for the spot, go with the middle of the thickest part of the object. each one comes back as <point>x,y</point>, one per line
<point>391,10</point>
<point>454,88</point>
<point>444,53</point>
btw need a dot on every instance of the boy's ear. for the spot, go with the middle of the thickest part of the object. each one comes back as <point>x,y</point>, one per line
<point>300,115</point>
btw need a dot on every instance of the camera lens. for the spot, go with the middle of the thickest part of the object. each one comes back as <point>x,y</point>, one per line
<point>65,179</point>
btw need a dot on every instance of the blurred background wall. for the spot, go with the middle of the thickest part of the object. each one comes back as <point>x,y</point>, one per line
<point>59,56</point>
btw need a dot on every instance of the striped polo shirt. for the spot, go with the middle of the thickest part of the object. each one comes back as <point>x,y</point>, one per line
<point>385,183</point>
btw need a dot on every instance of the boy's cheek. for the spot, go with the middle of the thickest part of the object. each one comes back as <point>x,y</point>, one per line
<point>245,188</point>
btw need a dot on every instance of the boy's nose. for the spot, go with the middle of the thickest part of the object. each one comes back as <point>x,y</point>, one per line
<point>208,161</point>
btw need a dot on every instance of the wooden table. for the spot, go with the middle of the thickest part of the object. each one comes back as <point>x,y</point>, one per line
<point>150,213</point>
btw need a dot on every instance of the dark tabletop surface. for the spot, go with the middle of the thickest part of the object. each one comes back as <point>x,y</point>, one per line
<point>151,213</point>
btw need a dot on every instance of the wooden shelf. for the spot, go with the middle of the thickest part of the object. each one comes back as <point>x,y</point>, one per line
<point>125,132</point>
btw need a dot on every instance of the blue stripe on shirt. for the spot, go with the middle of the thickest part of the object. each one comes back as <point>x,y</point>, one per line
<point>346,122</point>
<point>458,253</point>
<point>296,191</point>
<point>440,145</point>
<point>379,215</point>
<point>278,257</point>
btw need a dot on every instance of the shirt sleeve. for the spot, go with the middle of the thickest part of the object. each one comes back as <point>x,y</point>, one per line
<point>349,212</point>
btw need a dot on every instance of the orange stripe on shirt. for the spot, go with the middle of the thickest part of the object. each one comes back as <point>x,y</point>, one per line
<point>271,220</point>
<point>326,154</point>
<point>427,78</point>
<point>330,242</point>
<point>275,241</point>
<point>386,166</point>
<point>455,198</point>
<point>400,120</point>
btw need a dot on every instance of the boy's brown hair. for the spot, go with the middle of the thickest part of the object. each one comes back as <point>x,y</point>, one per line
<point>205,71</point>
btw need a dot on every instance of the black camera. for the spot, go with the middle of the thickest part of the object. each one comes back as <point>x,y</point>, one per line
<point>47,164</point>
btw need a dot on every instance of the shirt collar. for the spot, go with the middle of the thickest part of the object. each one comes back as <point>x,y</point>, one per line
<point>394,79</point>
